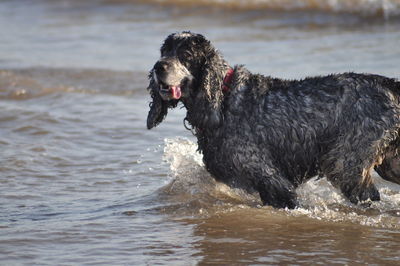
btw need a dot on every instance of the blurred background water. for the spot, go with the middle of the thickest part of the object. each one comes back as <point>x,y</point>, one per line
<point>83,182</point>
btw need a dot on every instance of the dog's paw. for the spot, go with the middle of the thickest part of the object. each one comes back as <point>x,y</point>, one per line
<point>364,193</point>
<point>277,196</point>
<point>288,202</point>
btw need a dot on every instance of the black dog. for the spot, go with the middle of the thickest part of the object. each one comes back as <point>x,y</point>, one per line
<point>269,135</point>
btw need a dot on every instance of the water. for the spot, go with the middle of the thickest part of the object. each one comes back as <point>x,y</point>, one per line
<point>83,181</point>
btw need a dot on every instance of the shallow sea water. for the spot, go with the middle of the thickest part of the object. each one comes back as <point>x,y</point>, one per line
<point>82,181</point>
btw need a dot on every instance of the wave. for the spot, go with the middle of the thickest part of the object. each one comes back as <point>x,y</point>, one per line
<point>193,191</point>
<point>21,84</point>
<point>381,8</point>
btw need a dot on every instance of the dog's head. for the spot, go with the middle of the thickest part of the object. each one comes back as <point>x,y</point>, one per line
<point>185,72</point>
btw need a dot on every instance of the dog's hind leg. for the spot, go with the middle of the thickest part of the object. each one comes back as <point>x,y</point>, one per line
<point>390,167</point>
<point>348,167</point>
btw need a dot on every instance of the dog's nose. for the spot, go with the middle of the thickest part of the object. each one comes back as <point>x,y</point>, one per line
<point>161,66</point>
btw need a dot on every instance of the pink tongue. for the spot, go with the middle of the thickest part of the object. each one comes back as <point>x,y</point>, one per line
<point>176,92</point>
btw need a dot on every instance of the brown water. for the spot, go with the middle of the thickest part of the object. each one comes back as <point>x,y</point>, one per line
<point>83,182</point>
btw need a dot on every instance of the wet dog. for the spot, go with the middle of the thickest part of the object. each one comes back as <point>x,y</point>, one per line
<point>269,135</point>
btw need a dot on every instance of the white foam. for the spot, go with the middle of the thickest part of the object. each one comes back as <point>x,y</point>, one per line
<point>182,155</point>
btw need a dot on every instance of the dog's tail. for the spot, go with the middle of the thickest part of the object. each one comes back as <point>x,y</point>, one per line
<point>394,86</point>
<point>397,85</point>
<point>396,90</point>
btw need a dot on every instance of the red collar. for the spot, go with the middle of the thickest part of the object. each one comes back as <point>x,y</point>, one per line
<point>226,85</point>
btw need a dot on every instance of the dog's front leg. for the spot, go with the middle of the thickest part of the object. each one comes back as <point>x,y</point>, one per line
<point>263,176</point>
<point>277,191</point>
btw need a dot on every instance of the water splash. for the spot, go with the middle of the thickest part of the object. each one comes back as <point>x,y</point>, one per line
<point>320,200</point>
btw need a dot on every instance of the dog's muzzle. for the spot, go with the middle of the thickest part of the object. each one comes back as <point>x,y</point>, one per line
<point>171,76</point>
<point>174,92</point>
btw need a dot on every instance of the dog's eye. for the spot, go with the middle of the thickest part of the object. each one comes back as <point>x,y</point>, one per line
<point>185,55</point>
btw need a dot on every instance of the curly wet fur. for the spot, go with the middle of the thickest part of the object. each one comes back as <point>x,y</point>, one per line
<point>270,135</point>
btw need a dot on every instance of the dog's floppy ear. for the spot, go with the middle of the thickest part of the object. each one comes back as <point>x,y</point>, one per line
<point>212,82</point>
<point>213,72</point>
<point>158,107</point>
